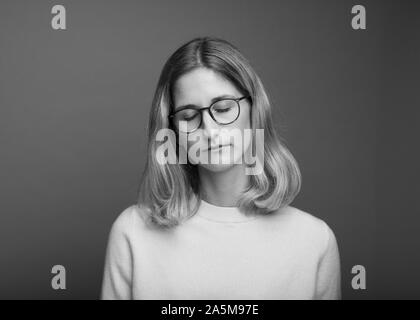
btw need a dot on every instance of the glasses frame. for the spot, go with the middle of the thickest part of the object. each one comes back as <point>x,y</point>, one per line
<point>237,100</point>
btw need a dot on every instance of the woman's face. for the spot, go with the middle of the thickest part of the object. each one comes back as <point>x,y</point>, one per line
<point>199,88</point>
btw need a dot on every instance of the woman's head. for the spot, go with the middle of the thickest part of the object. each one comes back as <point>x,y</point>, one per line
<point>215,113</point>
<point>211,73</point>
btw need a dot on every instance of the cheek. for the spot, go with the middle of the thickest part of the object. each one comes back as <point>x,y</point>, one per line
<point>244,120</point>
<point>194,139</point>
<point>183,143</point>
<point>244,125</point>
<point>192,143</point>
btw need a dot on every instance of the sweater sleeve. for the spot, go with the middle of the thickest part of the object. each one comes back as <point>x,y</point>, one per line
<point>117,277</point>
<point>329,274</point>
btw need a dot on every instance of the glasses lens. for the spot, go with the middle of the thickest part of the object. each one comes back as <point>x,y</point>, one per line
<point>225,111</point>
<point>187,120</point>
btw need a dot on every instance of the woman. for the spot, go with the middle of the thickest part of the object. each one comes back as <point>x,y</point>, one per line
<point>212,226</point>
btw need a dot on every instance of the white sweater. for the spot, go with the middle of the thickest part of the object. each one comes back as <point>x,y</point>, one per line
<point>222,254</point>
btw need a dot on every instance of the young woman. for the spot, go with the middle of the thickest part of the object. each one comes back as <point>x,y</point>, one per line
<point>207,229</point>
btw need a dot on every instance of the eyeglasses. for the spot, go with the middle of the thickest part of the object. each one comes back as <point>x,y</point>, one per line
<point>223,112</point>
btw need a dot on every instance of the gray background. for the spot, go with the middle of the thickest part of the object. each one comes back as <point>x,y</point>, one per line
<point>74,110</point>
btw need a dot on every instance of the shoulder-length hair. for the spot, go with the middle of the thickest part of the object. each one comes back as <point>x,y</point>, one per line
<point>170,193</point>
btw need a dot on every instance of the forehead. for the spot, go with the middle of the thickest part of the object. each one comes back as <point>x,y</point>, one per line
<point>200,86</point>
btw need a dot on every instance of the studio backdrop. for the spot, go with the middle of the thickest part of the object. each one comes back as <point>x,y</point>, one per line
<point>74,105</point>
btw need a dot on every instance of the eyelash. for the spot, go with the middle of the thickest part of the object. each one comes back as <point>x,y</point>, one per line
<point>223,110</point>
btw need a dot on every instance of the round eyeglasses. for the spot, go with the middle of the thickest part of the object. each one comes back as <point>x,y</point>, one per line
<point>223,111</point>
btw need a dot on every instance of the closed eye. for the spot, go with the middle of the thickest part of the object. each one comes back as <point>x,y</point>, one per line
<point>189,118</point>
<point>223,110</point>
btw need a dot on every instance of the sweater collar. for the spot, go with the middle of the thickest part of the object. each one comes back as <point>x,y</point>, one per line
<point>223,214</point>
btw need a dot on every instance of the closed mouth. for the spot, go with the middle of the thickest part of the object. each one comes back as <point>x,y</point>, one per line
<point>218,147</point>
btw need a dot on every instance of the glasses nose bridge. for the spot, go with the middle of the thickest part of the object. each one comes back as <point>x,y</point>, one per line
<point>209,123</point>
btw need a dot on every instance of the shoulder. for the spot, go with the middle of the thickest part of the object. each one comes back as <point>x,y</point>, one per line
<point>308,227</point>
<point>130,218</point>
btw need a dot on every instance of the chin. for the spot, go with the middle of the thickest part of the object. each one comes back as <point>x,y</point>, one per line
<point>216,168</point>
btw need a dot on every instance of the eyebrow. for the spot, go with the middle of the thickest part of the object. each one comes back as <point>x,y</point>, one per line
<point>193,106</point>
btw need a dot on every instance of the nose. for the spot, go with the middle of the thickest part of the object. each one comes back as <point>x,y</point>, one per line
<point>210,127</point>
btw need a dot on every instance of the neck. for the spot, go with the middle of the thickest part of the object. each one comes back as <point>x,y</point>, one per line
<point>223,188</point>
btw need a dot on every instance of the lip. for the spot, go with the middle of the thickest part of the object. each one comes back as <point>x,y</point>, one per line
<point>215,148</point>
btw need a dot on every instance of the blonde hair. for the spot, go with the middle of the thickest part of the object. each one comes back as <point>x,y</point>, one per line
<point>170,193</point>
